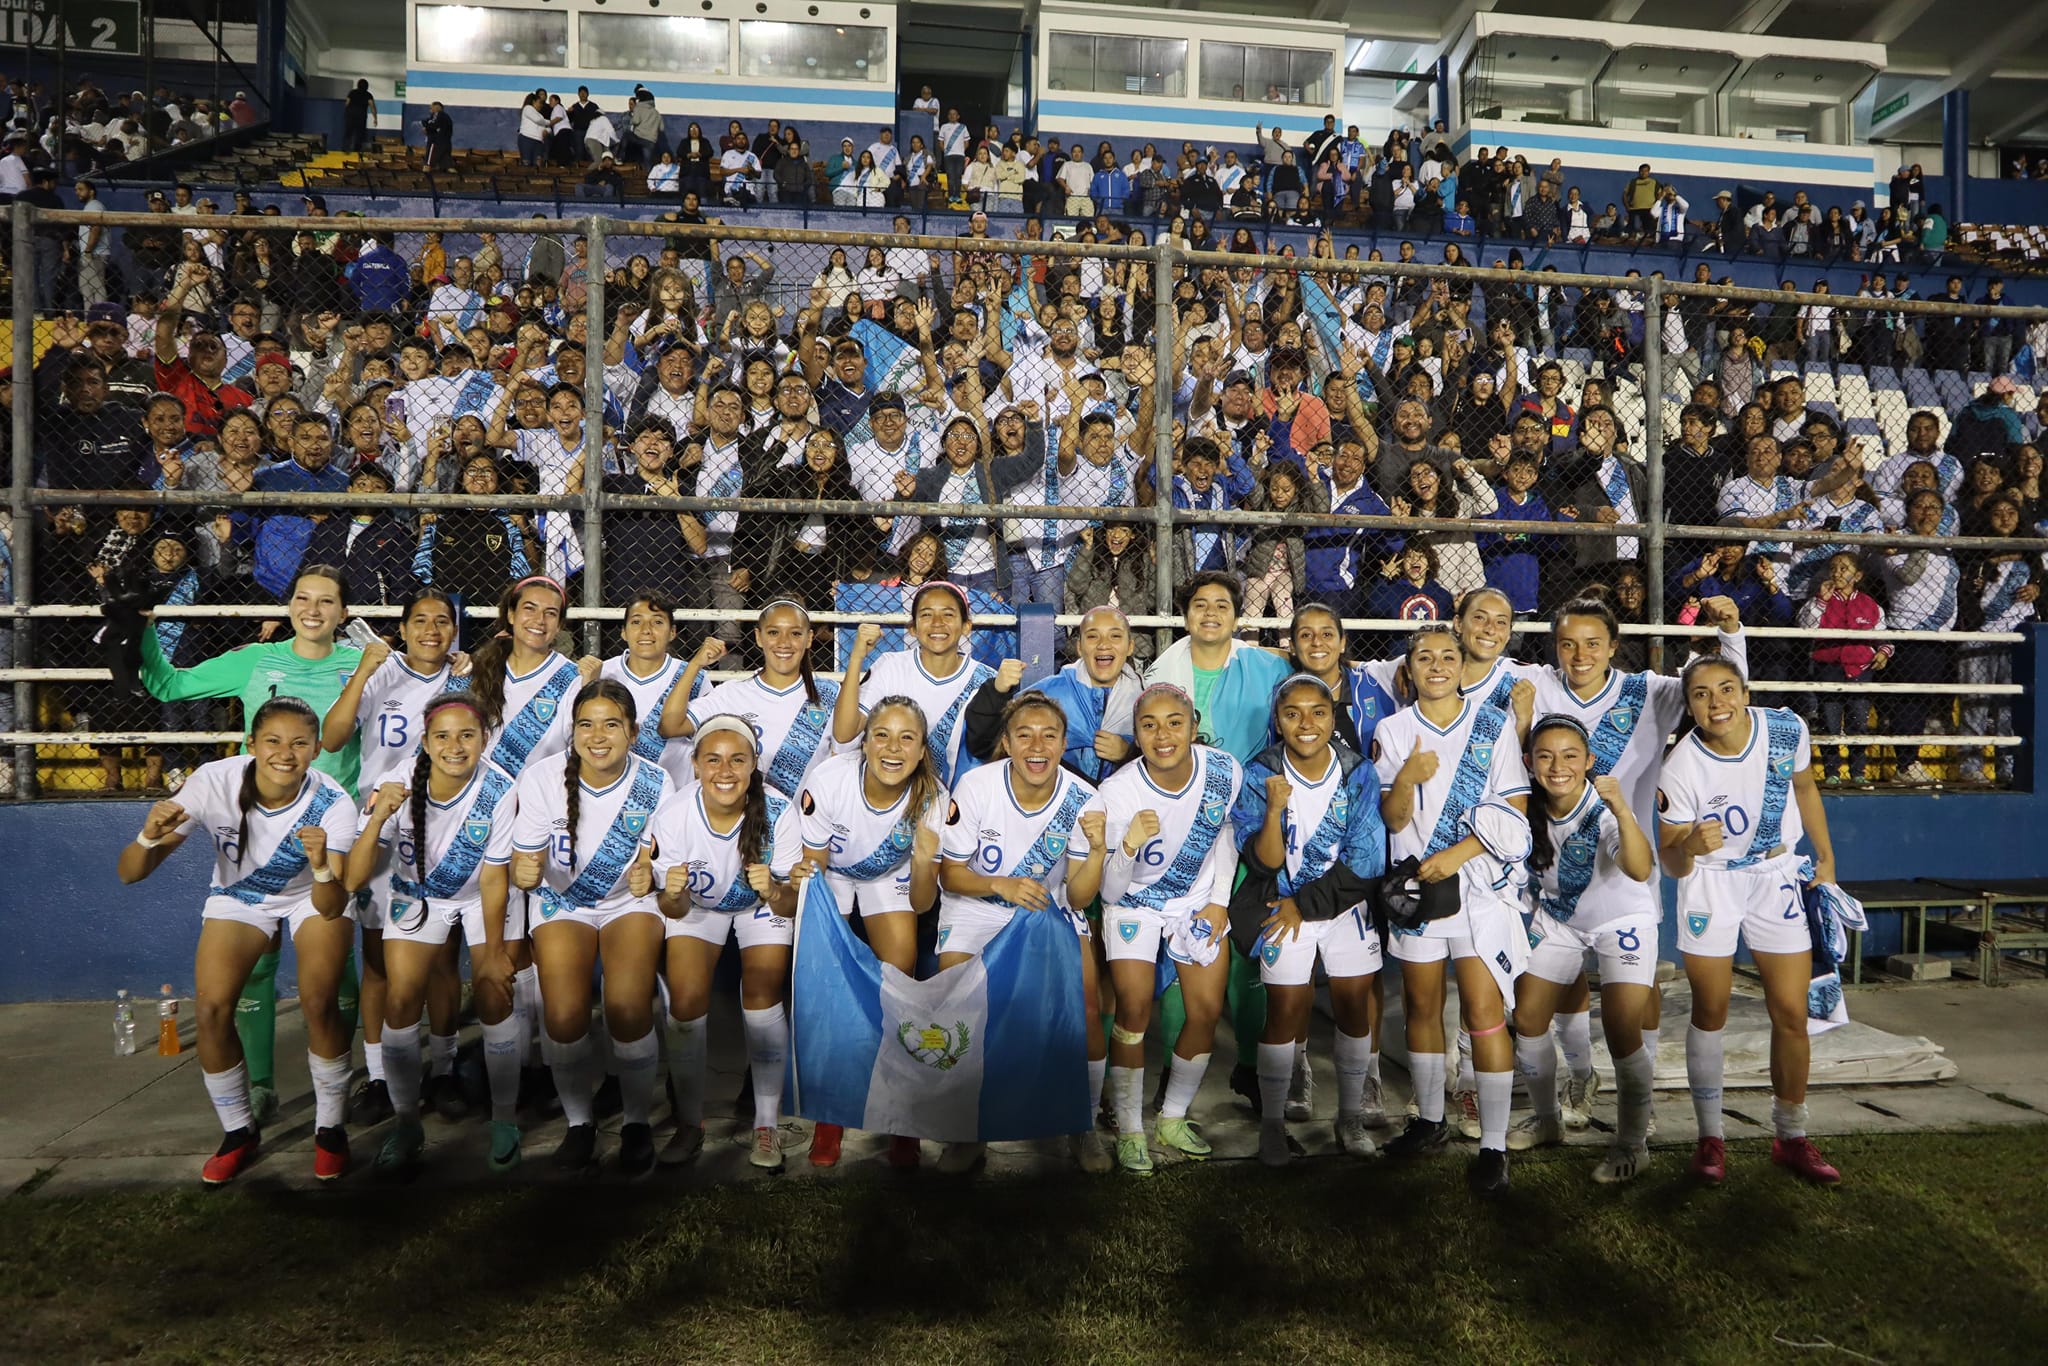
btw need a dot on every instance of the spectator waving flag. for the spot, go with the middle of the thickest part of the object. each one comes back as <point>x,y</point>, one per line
<point>892,362</point>
<point>993,1049</point>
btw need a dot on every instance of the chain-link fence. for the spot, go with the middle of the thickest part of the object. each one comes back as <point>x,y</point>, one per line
<point>1070,423</point>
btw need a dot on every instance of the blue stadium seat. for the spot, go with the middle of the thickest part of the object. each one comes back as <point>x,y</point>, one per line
<point>1954,395</point>
<point>1577,353</point>
<point>1844,371</point>
<point>1921,391</point>
<point>1822,405</point>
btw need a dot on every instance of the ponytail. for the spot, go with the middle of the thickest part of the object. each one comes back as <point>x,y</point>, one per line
<point>245,795</point>
<point>572,779</point>
<point>755,833</point>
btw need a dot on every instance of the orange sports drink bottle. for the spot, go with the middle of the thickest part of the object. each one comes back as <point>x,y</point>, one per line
<point>167,1045</point>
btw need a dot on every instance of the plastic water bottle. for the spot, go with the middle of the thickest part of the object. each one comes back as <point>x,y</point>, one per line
<point>167,1045</point>
<point>124,1025</point>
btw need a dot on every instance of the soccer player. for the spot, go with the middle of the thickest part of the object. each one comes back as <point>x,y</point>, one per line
<point>934,671</point>
<point>653,675</point>
<point>1096,693</point>
<point>789,708</point>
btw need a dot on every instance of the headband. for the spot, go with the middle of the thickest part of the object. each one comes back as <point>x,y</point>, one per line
<point>1304,677</point>
<point>966,613</point>
<point>735,724</point>
<point>457,700</point>
<point>1551,720</point>
<point>1174,689</point>
<point>792,603</point>
<point>547,579</point>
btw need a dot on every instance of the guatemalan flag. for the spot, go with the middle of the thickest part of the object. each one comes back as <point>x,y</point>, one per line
<point>993,1049</point>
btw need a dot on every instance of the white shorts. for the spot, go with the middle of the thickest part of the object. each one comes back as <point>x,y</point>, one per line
<point>267,917</point>
<point>885,895</point>
<point>443,916</point>
<point>1626,946</point>
<point>583,915</point>
<point>1434,941</point>
<point>751,928</point>
<point>372,905</point>
<point>1135,933</point>
<point>1348,945</point>
<point>1763,904</point>
<point>966,927</point>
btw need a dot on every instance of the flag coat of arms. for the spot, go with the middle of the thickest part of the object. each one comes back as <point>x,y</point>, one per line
<point>993,1049</point>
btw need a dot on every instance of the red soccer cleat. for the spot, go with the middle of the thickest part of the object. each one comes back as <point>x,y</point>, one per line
<point>330,1153</point>
<point>1710,1161</point>
<point>825,1140</point>
<point>237,1151</point>
<point>1803,1160</point>
<point>905,1153</point>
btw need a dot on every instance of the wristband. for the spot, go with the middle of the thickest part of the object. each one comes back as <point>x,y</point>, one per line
<point>146,842</point>
<point>323,875</point>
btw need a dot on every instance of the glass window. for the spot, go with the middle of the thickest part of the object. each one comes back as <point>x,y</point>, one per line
<point>1119,65</point>
<point>813,52</point>
<point>469,35</point>
<point>677,44</point>
<point>1270,75</point>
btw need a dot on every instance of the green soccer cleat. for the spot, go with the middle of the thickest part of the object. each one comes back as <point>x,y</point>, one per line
<point>1133,1154</point>
<point>1181,1135</point>
<point>504,1146</point>
<point>399,1158</point>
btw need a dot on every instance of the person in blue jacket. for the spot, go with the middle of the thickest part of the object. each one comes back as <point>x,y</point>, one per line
<point>1097,692</point>
<point>380,277</point>
<point>1111,186</point>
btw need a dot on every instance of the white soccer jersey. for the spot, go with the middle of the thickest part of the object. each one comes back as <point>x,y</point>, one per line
<point>715,863</point>
<point>539,708</point>
<point>1496,764</point>
<point>1192,862</point>
<point>989,831</point>
<point>611,824</point>
<point>1049,542</point>
<point>648,695</point>
<point>389,717</point>
<point>1744,793</point>
<point>795,732</point>
<point>552,461</point>
<point>1497,688</point>
<point>1307,803</point>
<point>1584,886</point>
<point>463,833</point>
<point>268,870</point>
<point>864,844</point>
<point>944,699</point>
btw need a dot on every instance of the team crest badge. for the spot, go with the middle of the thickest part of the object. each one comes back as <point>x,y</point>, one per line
<point>1782,767</point>
<point>933,1046</point>
<point>945,933</point>
<point>1340,805</point>
<point>814,716</point>
<point>1624,718</point>
<point>1055,845</point>
<point>1695,924</point>
<point>1582,847</point>
<point>544,708</point>
<point>899,838</point>
<point>1127,930</point>
<point>1212,812</point>
<point>634,821</point>
<point>496,541</point>
<point>1483,755</point>
<point>1534,938</point>
<point>478,832</point>
<point>1271,953</point>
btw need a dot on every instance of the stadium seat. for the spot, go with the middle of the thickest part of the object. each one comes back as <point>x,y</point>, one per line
<point>1954,395</point>
<point>1855,398</point>
<point>1820,386</point>
<point>1921,390</point>
<point>1883,377</point>
<point>1891,420</point>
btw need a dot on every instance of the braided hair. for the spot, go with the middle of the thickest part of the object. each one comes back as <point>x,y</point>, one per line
<point>422,772</point>
<point>598,690</point>
<point>245,796</point>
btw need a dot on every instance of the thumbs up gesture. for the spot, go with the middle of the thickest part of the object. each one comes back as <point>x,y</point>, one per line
<point>640,872</point>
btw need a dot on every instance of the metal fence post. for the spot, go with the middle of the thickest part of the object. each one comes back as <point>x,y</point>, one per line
<point>21,517</point>
<point>1164,383</point>
<point>1655,437</point>
<point>593,433</point>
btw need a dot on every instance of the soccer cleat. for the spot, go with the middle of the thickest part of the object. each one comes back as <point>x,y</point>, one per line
<point>1535,1131</point>
<point>262,1103</point>
<point>1301,1089</point>
<point>370,1105</point>
<point>1575,1099</point>
<point>443,1095</point>
<point>1466,1099</point>
<point>577,1152</point>
<point>766,1154</point>
<point>330,1153</point>
<point>399,1158</point>
<point>1621,1164</point>
<point>1090,1154</point>
<point>1134,1154</point>
<point>1353,1138</point>
<point>1243,1080</point>
<point>1421,1138</point>
<point>1273,1149</point>
<point>962,1159</point>
<point>505,1153</point>
<point>636,1151</point>
<point>905,1152</point>
<point>1803,1160</point>
<point>1372,1108</point>
<point>237,1150</point>
<point>1488,1173</point>
<point>825,1141</point>
<point>683,1146</point>
<point>1180,1134</point>
<point>1710,1161</point>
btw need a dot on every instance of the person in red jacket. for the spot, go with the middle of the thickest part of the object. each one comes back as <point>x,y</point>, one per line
<point>1840,604</point>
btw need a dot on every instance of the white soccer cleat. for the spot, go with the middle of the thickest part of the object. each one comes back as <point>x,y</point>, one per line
<point>1353,1138</point>
<point>1466,1103</point>
<point>1575,1098</point>
<point>1534,1131</point>
<point>1301,1088</point>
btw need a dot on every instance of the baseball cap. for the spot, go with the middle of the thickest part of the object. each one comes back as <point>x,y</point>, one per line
<point>1236,377</point>
<point>315,201</point>
<point>273,358</point>
<point>887,401</point>
<point>1724,194</point>
<point>2002,384</point>
<point>106,312</point>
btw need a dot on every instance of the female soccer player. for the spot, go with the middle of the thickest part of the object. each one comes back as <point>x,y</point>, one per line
<point>309,666</point>
<point>1594,890</point>
<point>1024,835</point>
<point>438,862</point>
<point>1454,790</point>
<point>1168,879</point>
<point>1365,694</point>
<point>1095,693</point>
<point>933,672</point>
<point>870,825</point>
<point>726,845</point>
<point>581,845</point>
<point>1308,817</point>
<point>278,829</point>
<point>789,708</point>
<point>653,676</point>
<point>1736,797</point>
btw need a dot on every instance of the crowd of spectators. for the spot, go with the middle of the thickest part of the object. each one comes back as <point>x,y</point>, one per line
<point>88,128</point>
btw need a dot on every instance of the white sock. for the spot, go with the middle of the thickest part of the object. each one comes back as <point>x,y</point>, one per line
<point>601,1038</point>
<point>1703,1068</point>
<point>373,1058</point>
<point>404,1078</point>
<point>330,1088</point>
<point>576,1077</point>
<point>229,1092</point>
<point>1650,1037</point>
<point>637,1059</point>
<point>768,1054</point>
<point>1301,1053</point>
<point>1496,1094</point>
<point>1536,1060</point>
<point>1097,1069</point>
<point>1372,1068</point>
<point>1126,1094</point>
<point>1184,1078</point>
<point>442,1047</point>
<point>526,1009</point>
<point>1575,1037</point>
<point>1465,1073</point>
<point>1354,1060</point>
<point>1427,1071</point>
<point>503,1045</point>
<point>688,1042</point>
<point>1634,1076</point>
<point>1276,1070</point>
<point>1788,1120</point>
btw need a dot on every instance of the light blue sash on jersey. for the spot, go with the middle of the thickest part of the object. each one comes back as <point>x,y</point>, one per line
<point>740,894</point>
<point>448,877</point>
<point>1501,698</point>
<point>530,726</point>
<point>621,842</point>
<point>287,861</point>
<point>1618,726</point>
<point>785,771</point>
<point>1321,850</point>
<point>940,742</point>
<point>1179,878</point>
<point>1577,855</point>
<point>1782,730</point>
<point>1369,704</point>
<point>650,742</point>
<point>1468,784</point>
<point>1051,844</point>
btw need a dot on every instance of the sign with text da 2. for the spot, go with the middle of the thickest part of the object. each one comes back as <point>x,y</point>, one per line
<point>108,28</point>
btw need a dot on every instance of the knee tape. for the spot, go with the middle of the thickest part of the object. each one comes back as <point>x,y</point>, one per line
<point>1118,1034</point>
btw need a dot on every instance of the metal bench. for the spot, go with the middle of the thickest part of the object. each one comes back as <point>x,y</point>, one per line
<point>1910,899</point>
<point>2022,927</point>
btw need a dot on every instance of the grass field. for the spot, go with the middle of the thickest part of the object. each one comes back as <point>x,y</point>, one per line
<point>1933,1250</point>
